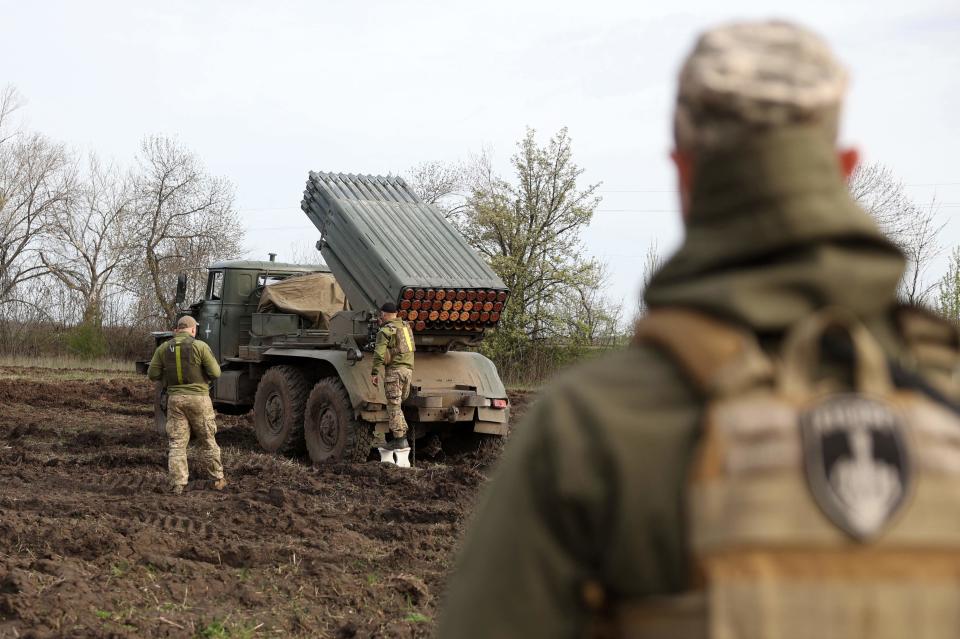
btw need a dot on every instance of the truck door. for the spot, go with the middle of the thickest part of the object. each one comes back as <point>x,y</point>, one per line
<point>208,328</point>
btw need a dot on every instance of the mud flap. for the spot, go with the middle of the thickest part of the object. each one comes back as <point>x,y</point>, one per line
<point>399,457</point>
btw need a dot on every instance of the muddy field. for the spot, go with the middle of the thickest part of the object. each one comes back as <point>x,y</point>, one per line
<point>92,546</point>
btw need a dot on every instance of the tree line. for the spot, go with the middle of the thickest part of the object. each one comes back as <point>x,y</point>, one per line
<point>91,245</point>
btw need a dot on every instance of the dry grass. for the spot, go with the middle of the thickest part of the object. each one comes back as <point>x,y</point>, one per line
<point>64,362</point>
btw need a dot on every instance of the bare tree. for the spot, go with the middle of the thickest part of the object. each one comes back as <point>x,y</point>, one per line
<point>914,229</point>
<point>10,101</point>
<point>920,245</point>
<point>441,184</point>
<point>652,261</point>
<point>88,245</point>
<point>36,182</point>
<point>186,220</point>
<point>303,252</point>
<point>591,318</point>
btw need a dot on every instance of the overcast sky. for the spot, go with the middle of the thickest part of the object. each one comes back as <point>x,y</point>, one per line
<point>265,92</point>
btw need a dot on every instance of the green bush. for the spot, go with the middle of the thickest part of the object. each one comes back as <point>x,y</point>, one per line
<point>523,362</point>
<point>87,341</point>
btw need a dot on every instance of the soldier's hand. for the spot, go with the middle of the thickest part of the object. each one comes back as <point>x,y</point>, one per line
<point>375,379</point>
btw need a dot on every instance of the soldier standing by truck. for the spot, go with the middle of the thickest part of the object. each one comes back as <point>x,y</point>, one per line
<point>760,463</point>
<point>186,366</point>
<point>394,353</point>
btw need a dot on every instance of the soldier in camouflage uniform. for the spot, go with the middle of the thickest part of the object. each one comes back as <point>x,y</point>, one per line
<point>698,484</point>
<point>394,352</point>
<point>186,366</point>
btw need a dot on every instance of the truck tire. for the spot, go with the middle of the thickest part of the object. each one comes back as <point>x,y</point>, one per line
<point>330,430</point>
<point>160,409</point>
<point>278,410</point>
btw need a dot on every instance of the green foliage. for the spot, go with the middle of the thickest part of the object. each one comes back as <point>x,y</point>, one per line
<point>524,363</point>
<point>105,615</point>
<point>948,291</point>
<point>87,341</point>
<point>416,617</point>
<point>214,630</point>
<point>529,232</point>
<point>218,629</point>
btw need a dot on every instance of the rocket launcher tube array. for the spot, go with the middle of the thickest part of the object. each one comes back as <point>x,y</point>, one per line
<point>426,311</point>
<point>382,243</point>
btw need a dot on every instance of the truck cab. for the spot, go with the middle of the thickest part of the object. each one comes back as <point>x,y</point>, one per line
<point>232,296</point>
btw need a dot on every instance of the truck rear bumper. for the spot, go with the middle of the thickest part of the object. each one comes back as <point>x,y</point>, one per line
<point>451,406</point>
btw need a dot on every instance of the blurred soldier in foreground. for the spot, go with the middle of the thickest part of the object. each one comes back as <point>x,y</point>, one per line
<point>778,454</point>
<point>186,366</point>
<point>393,353</point>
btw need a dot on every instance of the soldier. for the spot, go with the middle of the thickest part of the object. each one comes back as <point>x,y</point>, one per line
<point>186,366</point>
<point>770,458</point>
<point>394,351</point>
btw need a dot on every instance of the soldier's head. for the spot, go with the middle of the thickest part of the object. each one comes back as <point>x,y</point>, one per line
<point>187,324</point>
<point>388,312</point>
<point>746,78</point>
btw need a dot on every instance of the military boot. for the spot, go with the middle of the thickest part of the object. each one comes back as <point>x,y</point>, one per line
<point>220,484</point>
<point>397,443</point>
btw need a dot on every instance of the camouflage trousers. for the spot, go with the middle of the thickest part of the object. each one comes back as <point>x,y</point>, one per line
<point>396,387</point>
<point>192,415</point>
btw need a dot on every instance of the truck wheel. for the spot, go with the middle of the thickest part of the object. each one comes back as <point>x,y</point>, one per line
<point>160,409</point>
<point>278,409</point>
<point>330,430</point>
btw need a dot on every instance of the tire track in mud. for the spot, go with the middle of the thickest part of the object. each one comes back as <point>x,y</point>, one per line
<point>337,550</point>
<point>168,522</point>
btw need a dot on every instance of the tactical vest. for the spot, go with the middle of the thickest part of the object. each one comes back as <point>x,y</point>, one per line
<point>813,511</point>
<point>401,341</point>
<point>179,367</point>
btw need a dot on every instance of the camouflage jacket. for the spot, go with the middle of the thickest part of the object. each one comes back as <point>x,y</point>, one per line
<point>385,351</point>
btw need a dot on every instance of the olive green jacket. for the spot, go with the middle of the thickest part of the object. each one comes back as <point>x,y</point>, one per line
<point>591,486</point>
<point>202,355</point>
<point>386,341</point>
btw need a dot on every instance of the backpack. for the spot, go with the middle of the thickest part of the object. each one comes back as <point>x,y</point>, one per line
<point>815,508</point>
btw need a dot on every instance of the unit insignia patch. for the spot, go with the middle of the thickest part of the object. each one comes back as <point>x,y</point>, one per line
<point>856,461</point>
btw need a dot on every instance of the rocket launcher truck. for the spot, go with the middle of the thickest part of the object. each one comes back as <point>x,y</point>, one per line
<point>295,342</point>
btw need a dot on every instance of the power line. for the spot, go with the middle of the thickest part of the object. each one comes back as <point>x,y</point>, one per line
<point>291,207</point>
<point>601,211</point>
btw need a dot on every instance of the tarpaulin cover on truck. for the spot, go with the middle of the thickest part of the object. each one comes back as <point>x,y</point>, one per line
<point>314,297</point>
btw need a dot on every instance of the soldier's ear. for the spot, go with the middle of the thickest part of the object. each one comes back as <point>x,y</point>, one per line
<point>684,163</point>
<point>849,159</point>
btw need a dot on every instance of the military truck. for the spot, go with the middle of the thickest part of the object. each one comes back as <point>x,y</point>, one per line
<point>295,342</point>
